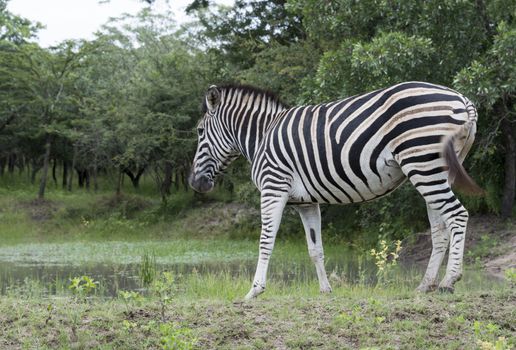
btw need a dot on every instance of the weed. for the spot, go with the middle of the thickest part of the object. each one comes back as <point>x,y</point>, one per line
<point>147,270</point>
<point>488,338</point>
<point>50,309</point>
<point>83,286</point>
<point>499,344</point>
<point>510,276</point>
<point>163,288</point>
<point>483,248</point>
<point>130,298</point>
<point>385,260</point>
<point>128,326</point>
<point>175,337</point>
<point>347,319</point>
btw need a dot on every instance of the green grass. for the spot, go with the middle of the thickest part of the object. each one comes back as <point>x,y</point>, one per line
<point>213,256</point>
<point>293,318</point>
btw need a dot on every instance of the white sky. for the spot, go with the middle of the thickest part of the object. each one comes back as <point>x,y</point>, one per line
<point>79,19</point>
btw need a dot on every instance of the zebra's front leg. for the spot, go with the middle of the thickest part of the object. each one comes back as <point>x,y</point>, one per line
<point>311,217</point>
<point>272,205</point>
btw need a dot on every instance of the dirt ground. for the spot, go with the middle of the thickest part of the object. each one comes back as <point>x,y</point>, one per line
<point>489,241</point>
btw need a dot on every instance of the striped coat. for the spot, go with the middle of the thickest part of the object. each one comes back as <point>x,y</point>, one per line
<point>346,151</point>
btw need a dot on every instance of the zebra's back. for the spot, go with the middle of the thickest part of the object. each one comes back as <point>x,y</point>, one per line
<point>365,146</point>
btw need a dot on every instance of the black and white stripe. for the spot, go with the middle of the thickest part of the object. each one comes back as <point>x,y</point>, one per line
<point>346,151</point>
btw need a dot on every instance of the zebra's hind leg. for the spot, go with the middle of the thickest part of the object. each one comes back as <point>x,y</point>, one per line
<point>456,223</point>
<point>440,239</point>
<point>272,204</point>
<point>441,200</point>
<point>311,217</point>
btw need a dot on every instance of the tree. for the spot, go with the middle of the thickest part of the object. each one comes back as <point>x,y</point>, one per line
<point>39,81</point>
<point>491,81</point>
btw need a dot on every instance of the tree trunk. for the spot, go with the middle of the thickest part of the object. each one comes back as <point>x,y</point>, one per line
<point>136,182</point>
<point>21,165</point>
<point>86,175</point>
<point>84,178</point>
<point>65,173</point>
<point>46,161</point>
<point>135,179</point>
<point>3,162</point>
<point>94,172</point>
<point>12,163</point>
<point>54,167</point>
<point>119,182</point>
<point>167,179</point>
<point>510,169</point>
<point>184,178</point>
<point>74,159</point>
<point>80,179</point>
<point>34,170</point>
<point>177,180</point>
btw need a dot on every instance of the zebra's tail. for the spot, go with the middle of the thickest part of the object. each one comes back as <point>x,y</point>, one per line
<point>457,174</point>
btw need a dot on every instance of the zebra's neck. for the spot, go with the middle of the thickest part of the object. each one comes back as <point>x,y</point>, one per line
<point>249,113</point>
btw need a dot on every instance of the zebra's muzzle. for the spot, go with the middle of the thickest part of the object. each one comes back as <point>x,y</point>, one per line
<point>200,183</point>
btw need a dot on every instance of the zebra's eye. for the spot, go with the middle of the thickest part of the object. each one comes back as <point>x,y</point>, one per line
<point>200,131</point>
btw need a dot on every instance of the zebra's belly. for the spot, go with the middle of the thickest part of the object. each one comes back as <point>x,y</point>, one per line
<point>335,190</point>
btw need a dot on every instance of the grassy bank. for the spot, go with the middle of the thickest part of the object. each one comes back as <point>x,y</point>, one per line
<point>297,318</point>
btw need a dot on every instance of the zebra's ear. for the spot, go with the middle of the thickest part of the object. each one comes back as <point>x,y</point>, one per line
<point>212,98</point>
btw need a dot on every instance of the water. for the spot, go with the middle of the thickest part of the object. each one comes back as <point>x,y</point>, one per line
<point>116,265</point>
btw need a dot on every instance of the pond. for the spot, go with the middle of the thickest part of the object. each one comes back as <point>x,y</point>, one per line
<point>48,267</point>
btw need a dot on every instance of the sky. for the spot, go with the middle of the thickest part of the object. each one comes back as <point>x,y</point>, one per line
<point>79,19</point>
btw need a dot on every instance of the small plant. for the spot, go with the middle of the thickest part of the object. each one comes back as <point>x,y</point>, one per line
<point>487,336</point>
<point>147,270</point>
<point>347,319</point>
<point>128,326</point>
<point>174,337</point>
<point>130,298</point>
<point>163,288</point>
<point>499,344</point>
<point>50,309</point>
<point>83,286</point>
<point>80,287</point>
<point>385,260</point>
<point>510,276</point>
<point>85,222</point>
<point>483,248</point>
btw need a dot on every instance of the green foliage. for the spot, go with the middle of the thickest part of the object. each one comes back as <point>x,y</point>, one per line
<point>130,297</point>
<point>390,58</point>
<point>164,288</point>
<point>175,337</point>
<point>484,248</point>
<point>510,276</point>
<point>281,68</point>
<point>493,76</point>
<point>83,286</point>
<point>487,336</point>
<point>148,269</point>
<point>385,259</point>
<point>127,102</point>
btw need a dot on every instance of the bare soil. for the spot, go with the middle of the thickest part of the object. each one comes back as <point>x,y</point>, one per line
<point>489,240</point>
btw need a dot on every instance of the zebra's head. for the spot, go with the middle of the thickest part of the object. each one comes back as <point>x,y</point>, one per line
<point>215,147</point>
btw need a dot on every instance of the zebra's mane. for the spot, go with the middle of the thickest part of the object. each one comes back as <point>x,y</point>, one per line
<point>247,89</point>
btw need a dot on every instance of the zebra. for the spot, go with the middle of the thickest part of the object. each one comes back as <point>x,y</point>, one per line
<point>352,150</point>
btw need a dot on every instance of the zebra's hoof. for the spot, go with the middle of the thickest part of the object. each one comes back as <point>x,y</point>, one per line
<point>255,291</point>
<point>446,290</point>
<point>325,290</point>
<point>426,288</point>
